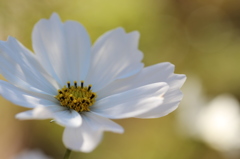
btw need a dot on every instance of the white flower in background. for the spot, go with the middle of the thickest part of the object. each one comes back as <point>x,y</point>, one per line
<point>31,154</point>
<point>81,86</point>
<point>217,122</point>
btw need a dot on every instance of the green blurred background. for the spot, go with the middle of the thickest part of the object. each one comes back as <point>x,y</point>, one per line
<point>200,37</point>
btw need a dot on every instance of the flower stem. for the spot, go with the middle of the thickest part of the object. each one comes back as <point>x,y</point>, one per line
<point>67,154</point>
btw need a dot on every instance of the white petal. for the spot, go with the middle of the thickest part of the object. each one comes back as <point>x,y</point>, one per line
<point>101,123</point>
<point>115,55</point>
<point>176,81</point>
<point>21,68</point>
<point>162,72</point>
<point>61,115</point>
<point>131,103</point>
<point>171,99</point>
<point>19,97</point>
<point>152,74</point>
<point>83,139</point>
<point>86,137</point>
<point>64,49</point>
<point>73,138</point>
<point>68,118</point>
<point>171,102</point>
<point>36,113</point>
<point>79,46</point>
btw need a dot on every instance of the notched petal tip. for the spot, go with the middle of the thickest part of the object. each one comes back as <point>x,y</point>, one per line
<point>168,63</point>
<point>178,79</point>
<point>119,29</point>
<point>20,116</point>
<point>55,16</point>
<point>119,130</point>
<point>184,77</point>
<point>10,38</point>
<point>135,34</point>
<point>4,42</point>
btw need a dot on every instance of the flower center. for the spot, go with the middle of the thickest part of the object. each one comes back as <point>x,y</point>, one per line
<point>76,97</point>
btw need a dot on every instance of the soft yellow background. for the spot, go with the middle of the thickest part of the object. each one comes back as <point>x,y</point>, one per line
<point>200,37</point>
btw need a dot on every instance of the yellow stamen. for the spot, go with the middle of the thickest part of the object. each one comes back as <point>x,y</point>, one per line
<point>75,97</point>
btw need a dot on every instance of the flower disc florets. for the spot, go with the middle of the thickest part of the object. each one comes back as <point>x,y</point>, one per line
<point>76,97</point>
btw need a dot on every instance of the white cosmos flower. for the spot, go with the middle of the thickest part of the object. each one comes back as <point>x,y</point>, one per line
<point>219,123</point>
<point>102,82</point>
<point>215,122</point>
<point>31,154</point>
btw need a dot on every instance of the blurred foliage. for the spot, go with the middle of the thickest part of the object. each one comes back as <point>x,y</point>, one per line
<point>199,36</point>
